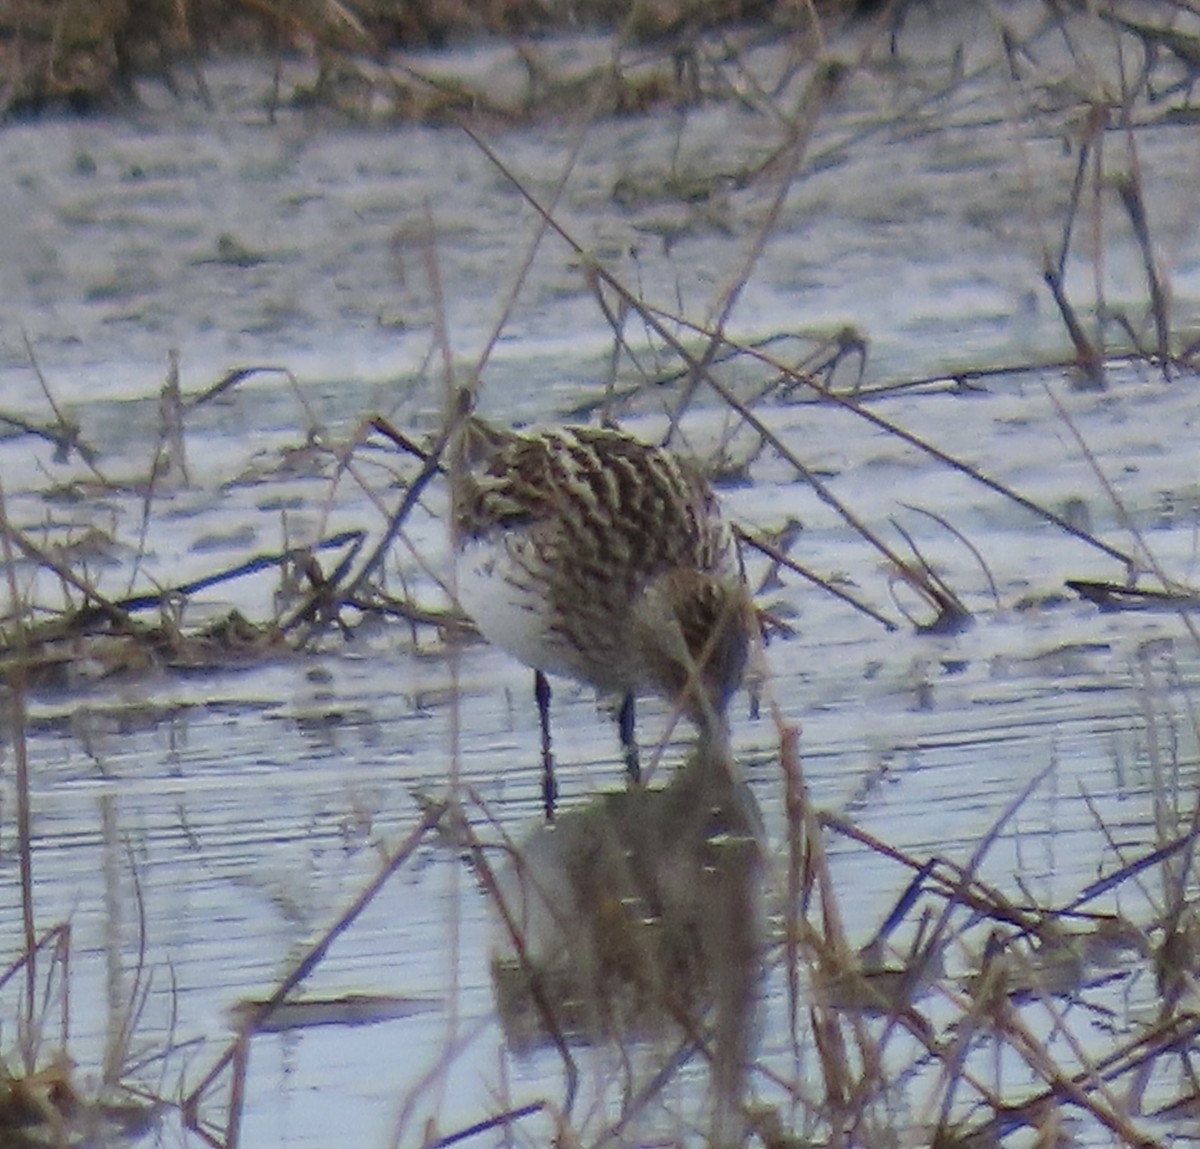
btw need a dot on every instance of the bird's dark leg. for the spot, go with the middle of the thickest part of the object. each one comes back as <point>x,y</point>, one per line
<point>541,691</point>
<point>625,722</point>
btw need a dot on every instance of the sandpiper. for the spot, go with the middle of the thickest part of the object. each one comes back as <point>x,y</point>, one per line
<point>587,553</point>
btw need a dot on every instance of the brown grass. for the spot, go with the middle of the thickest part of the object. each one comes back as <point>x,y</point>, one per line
<point>978,967</point>
<point>88,53</point>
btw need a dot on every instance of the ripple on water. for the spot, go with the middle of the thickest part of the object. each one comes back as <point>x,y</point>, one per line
<point>206,827</point>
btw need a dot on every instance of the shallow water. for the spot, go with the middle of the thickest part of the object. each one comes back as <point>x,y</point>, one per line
<point>199,830</point>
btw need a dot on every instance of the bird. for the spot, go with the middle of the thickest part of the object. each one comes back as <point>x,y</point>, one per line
<point>587,553</point>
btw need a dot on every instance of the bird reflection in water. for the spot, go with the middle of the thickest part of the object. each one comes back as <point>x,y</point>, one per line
<point>636,919</point>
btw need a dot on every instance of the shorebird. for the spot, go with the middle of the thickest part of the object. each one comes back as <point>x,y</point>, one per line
<point>586,553</point>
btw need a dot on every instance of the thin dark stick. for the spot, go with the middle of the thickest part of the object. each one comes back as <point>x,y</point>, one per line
<point>1085,153</point>
<point>627,723</point>
<point>963,379</point>
<point>253,565</point>
<point>1123,515</point>
<point>1131,197</point>
<point>1089,360</point>
<point>231,379</point>
<point>499,1121</point>
<point>431,467</point>
<point>541,693</point>
<point>952,615</point>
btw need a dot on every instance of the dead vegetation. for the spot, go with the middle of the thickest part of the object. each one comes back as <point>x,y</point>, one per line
<point>88,53</point>
<point>905,1029</point>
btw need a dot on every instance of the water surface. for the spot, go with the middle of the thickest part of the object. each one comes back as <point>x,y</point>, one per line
<point>199,830</point>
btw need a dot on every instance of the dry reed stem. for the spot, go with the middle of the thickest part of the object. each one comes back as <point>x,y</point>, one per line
<point>487,878</point>
<point>963,378</point>
<point>12,537</point>
<point>1075,1088</point>
<point>190,1105</point>
<point>16,693</point>
<point>813,101</point>
<point>766,547</point>
<point>65,431</point>
<point>1130,191</point>
<point>976,554</point>
<point>697,365</point>
<point>952,614</point>
<point>891,428</point>
<point>808,874</point>
<point>432,464</point>
<point>1123,515</point>
<point>850,1080</point>
<point>236,636</point>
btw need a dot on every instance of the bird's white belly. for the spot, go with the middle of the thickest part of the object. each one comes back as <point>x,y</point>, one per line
<point>511,607</point>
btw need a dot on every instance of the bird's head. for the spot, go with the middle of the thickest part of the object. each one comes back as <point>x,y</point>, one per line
<point>696,632</point>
